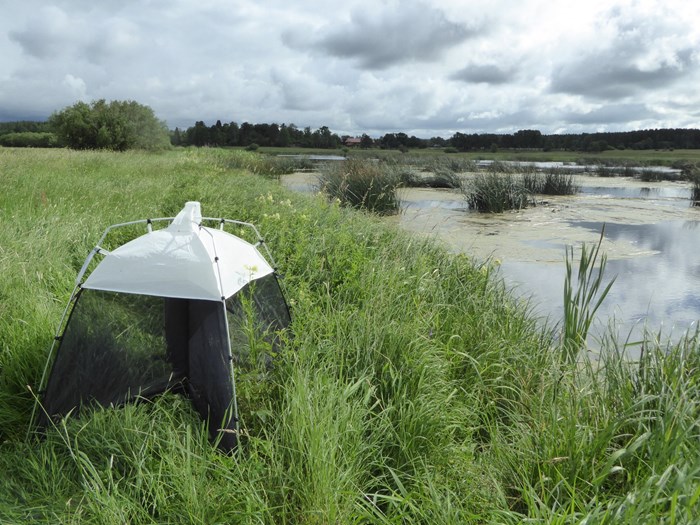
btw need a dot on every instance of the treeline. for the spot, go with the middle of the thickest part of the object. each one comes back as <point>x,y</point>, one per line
<point>657,139</point>
<point>247,134</point>
<point>101,124</point>
<point>27,134</point>
<point>289,135</point>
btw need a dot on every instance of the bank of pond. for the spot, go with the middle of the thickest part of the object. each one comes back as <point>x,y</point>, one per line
<point>533,212</point>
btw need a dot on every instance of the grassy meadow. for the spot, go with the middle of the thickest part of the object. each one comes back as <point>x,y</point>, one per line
<point>414,388</point>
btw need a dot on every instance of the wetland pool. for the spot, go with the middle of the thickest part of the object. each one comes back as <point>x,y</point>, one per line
<point>652,242</point>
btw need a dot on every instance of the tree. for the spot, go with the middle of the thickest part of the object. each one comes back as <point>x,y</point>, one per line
<point>176,137</point>
<point>366,141</point>
<point>528,138</point>
<point>117,125</point>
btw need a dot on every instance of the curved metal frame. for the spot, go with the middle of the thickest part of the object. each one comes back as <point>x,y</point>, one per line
<point>99,250</point>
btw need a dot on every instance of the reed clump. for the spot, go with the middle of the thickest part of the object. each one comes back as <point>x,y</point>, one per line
<point>440,178</point>
<point>497,192</point>
<point>583,296</point>
<point>362,184</point>
<point>694,177</point>
<point>552,182</point>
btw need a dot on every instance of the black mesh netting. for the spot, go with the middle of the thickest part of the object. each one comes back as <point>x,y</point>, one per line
<point>119,347</point>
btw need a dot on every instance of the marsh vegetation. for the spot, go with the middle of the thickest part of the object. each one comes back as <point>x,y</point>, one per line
<point>361,184</point>
<point>414,387</point>
<point>497,192</point>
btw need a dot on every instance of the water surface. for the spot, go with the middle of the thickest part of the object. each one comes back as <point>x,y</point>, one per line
<point>652,241</point>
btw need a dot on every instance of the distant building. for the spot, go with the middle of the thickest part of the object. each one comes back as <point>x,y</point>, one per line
<point>352,142</point>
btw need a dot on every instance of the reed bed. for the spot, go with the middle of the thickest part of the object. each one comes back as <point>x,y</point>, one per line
<point>695,188</point>
<point>497,192</point>
<point>440,178</point>
<point>552,182</point>
<point>361,184</point>
<point>414,388</point>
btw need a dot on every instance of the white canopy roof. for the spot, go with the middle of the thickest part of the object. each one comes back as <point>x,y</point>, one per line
<point>184,260</point>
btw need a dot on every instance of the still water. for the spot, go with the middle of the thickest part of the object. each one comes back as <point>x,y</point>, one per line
<point>658,290</point>
<point>652,241</point>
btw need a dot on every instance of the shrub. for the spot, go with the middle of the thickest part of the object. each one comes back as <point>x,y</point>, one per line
<point>115,126</point>
<point>28,139</point>
<point>497,192</point>
<point>252,147</point>
<point>362,184</point>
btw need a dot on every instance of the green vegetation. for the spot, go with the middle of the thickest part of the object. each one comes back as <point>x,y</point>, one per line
<point>361,184</point>
<point>694,177</point>
<point>415,388</point>
<point>28,139</point>
<point>284,135</point>
<point>582,300</point>
<point>496,192</point>
<point>441,178</point>
<point>116,125</point>
<point>552,182</point>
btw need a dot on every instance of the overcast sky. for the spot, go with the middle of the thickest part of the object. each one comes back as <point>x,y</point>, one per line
<point>427,68</point>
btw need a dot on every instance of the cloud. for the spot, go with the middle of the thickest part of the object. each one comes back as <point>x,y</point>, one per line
<point>406,32</point>
<point>635,53</point>
<point>608,76</point>
<point>612,114</point>
<point>75,85</point>
<point>46,34</point>
<point>301,91</point>
<point>484,74</point>
<point>359,66</point>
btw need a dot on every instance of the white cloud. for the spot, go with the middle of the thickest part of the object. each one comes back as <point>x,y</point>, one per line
<point>76,86</point>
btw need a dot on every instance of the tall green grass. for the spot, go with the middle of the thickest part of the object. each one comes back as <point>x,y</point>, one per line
<point>496,192</point>
<point>694,177</point>
<point>361,184</point>
<point>415,388</point>
<point>552,182</point>
<point>583,296</point>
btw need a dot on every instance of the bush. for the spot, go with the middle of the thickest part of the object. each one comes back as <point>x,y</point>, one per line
<point>252,147</point>
<point>29,139</point>
<point>362,184</point>
<point>116,125</point>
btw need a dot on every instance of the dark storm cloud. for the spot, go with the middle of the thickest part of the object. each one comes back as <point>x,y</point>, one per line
<point>412,32</point>
<point>486,74</point>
